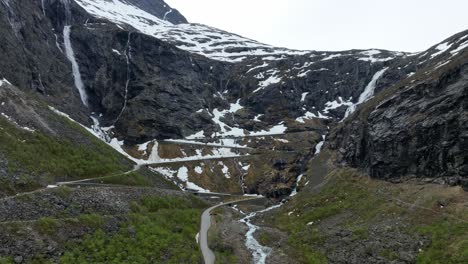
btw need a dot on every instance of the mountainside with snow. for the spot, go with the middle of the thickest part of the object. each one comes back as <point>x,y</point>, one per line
<point>138,75</point>
<point>126,98</point>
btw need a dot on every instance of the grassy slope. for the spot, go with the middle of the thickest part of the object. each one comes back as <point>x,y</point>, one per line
<point>357,204</point>
<point>40,158</point>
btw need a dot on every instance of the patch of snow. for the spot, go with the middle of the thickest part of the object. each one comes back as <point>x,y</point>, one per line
<point>303,74</point>
<point>182,175</point>
<point>258,67</point>
<point>443,47</point>
<point>303,96</point>
<point>198,170</point>
<point>11,120</point>
<point>257,118</point>
<point>336,104</point>
<point>279,129</point>
<point>461,47</point>
<point>4,81</point>
<point>369,56</point>
<point>166,172</point>
<point>200,134</point>
<point>321,69</point>
<point>225,170</point>
<point>308,115</point>
<point>273,79</point>
<point>371,52</point>
<point>332,56</point>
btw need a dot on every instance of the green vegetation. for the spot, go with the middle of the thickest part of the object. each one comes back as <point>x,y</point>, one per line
<point>449,243</point>
<point>37,154</point>
<point>4,260</point>
<point>264,238</point>
<point>91,220</point>
<point>223,253</point>
<point>389,254</point>
<point>161,230</point>
<point>357,204</point>
<point>344,192</point>
<point>63,191</point>
<point>40,153</point>
<point>47,225</point>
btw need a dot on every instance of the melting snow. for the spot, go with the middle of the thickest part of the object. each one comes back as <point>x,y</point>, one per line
<point>198,169</point>
<point>257,118</point>
<point>15,123</point>
<point>336,104</point>
<point>369,56</point>
<point>309,115</point>
<point>273,79</point>
<point>330,57</point>
<point>182,174</point>
<point>461,47</point>
<point>4,81</point>
<point>443,47</point>
<point>225,170</point>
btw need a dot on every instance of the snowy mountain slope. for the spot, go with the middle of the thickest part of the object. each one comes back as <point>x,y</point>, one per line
<point>208,41</point>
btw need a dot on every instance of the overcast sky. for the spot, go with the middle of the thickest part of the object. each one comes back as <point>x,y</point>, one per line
<point>403,25</point>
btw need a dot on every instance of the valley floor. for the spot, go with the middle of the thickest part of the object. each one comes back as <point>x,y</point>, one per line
<point>353,219</point>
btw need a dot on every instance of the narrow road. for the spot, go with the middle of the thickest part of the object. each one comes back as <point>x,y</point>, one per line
<point>208,255</point>
<point>57,184</point>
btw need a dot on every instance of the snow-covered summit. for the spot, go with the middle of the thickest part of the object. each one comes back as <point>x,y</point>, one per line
<point>201,39</point>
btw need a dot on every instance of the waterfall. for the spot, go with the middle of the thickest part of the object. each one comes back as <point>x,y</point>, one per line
<point>167,13</point>
<point>127,54</point>
<point>43,7</point>
<point>75,67</point>
<point>367,94</point>
<point>71,54</point>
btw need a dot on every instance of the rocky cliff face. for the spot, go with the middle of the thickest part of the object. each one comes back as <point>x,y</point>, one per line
<point>148,75</point>
<point>417,128</point>
<point>126,64</point>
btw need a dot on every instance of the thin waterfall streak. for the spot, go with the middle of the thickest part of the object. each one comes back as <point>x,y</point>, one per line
<point>127,58</point>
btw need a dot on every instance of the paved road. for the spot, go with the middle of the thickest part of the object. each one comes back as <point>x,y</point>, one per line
<point>208,255</point>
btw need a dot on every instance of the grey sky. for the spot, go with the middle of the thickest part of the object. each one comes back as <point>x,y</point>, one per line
<point>403,25</point>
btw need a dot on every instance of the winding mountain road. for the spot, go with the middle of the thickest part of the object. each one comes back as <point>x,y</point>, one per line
<point>208,254</point>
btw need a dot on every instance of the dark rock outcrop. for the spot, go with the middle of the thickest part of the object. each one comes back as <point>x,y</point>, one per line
<point>417,129</point>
